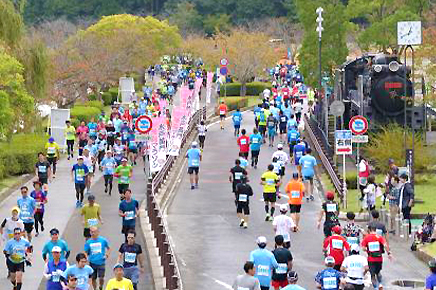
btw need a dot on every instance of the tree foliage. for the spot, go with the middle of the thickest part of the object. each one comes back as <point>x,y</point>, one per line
<point>11,22</point>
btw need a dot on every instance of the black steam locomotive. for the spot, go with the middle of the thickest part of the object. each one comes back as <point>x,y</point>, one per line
<point>383,81</point>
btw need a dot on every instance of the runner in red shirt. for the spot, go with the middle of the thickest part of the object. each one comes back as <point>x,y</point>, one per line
<point>222,110</point>
<point>375,246</point>
<point>285,92</point>
<point>335,245</point>
<point>244,144</point>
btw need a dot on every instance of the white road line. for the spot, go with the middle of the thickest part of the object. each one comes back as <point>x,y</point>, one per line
<point>227,286</point>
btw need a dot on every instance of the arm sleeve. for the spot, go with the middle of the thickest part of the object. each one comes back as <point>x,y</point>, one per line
<point>3,223</point>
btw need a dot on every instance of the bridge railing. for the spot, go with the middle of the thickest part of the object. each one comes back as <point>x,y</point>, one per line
<point>155,215</point>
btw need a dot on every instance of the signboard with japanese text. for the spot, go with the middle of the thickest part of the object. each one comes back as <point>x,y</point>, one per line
<point>343,142</point>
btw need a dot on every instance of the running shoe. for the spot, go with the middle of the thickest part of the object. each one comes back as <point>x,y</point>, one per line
<point>241,224</point>
<point>312,198</point>
<point>196,186</point>
<point>267,217</point>
<point>245,225</point>
<point>77,204</point>
<point>192,187</point>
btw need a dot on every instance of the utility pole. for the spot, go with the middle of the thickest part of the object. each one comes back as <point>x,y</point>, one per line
<point>319,29</point>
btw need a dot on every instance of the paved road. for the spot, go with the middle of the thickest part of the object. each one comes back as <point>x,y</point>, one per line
<point>211,247</point>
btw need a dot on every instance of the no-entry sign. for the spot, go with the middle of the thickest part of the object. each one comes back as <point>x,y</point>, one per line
<point>358,125</point>
<point>143,124</point>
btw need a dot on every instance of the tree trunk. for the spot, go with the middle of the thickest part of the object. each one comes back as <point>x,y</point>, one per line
<point>243,90</point>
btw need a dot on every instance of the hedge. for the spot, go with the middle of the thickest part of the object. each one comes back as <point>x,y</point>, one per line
<point>20,154</point>
<point>82,113</point>
<point>234,89</point>
<point>110,96</point>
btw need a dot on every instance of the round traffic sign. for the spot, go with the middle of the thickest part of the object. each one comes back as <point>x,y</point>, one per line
<point>224,70</point>
<point>358,125</point>
<point>143,124</point>
<point>337,108</point>
<point>224,62</point>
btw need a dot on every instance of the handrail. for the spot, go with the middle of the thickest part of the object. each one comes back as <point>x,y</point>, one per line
<point>155,215</point>
<point>325,161</point>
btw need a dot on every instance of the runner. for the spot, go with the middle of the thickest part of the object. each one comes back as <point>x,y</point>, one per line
<point>101,145</point>
<point>9,224</point>
<point>132,148</point>
<point>237,174</point>
<point>27,206</point>
<point>129,211</point>
<point>108,164</point>
<point>124,173</point>
<point>299,151</point>
<point>257,111</point>
<point>98,250</point>
<point>255,144</point>
<point>243,193</point>
<point>194,158</point>
<point>295,191</point>
<point>284,259</point>
<point>293,279</point>
<point>356,267</point>
<point>335,246</point>
<point>262,123</point>
<point>88,161</point>
<point>284,225</point>
<point>352,231</point>
<point>40,198</point>
<point>270,181</point>
<point>119,282</point>
<point>119,150</point>
<point>430,281</point>
<point>308,163</point>
<point>70,136</point>
<point>201,133</point>
<point>16,251</point>
<point>80,272</point>
<point>271,124</point>
<point>91,213</point>
<point>222,109</point>
<point>244,143</point>
<point>282,158</point>
<point>375,246</point>
<point>55,242</point>
<point>243,160</point>
<point>130,253</point>
<point>292,123</point>
<point>380,227</point>
<point>329,278</point>
<point>247,280</point>
<point>78,175</point>
<point>283,120</point>
<point>111,135</point>
<point>82,132</point>
<point>330,209</point>
<point>52,149</point>
<point>265,262</point>
<point>54,269</point>
<point>237,120</point>
<point>43,169</point>
<point>92,127</point>
<point>293,137</point>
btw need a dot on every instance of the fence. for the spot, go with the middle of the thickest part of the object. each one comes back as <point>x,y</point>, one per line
<point>155,215</point>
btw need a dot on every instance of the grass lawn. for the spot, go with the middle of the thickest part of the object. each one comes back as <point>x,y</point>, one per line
<point>423,191</point>
<point>430,249</point>
<point>8,182</point>
<point>252,100</point>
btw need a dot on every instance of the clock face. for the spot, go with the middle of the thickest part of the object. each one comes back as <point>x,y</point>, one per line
<point>409,33</point>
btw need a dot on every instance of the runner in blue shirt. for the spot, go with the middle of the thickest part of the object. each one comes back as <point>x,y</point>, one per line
<point>78,175</point>
<point>194,158</point>
<point>283,121</point>
<point>27,206</point>
<point>293,279</point>
<point>308,163</point>
<point>55,242</point>
<point>292,123</point>
<point>128,210</point>
<point>80,271</point>
<point>265,262</point>
<point>299,151</point>
<point>243,160</point>
<point>257,110</point>
<point>430,281</point>
<point>15,251</point>
<point>293,137</point>
<point>132,148</point>
<point>108,164</point>
<point>329,279</point>
<point>255,144</point>
<point>125,131</point>
<point>92,126</point>
<point>237,120</point>
<point>98,250</point>
<point>287,110</point>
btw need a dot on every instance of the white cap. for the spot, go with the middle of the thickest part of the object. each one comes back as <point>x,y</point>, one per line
<point>280,146</point>
<point>194,144</point>
<point>355,247</point>
<point>329,260</point>
<point>56,249</point>
<point>261,240</point>
<point>283,207</point>
<point>109,122</point>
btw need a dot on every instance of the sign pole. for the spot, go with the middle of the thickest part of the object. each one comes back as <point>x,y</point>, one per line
<point>357,163</point>
<point>345,180</point>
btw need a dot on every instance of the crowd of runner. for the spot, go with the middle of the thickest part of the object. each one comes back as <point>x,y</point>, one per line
<point>107,145</point>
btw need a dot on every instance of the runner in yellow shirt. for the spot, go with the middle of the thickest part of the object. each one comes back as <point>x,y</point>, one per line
<point>52,153</point>
<point>270,182</point>
<point>70,136</point>
<point>119,282</point>
<point>91,213</point>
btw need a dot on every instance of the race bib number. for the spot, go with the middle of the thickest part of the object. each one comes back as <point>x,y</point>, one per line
<point>286,237</point>
<point>282,268</point>
<point>243,198</point>
<point>331,207</point>
<point>195,162</point>
<point>95,248</point>
<point>236,118</point>
<point>129,257</point>
<point>379,232</point>
<point>243,142</point>
<point>243,288</point>
<point>42,168</point>
<point>81,281</point>
<point>353,240</point>
<point>238,175</point>
<point>374,246</point>
<point>55,277</point>
<point>130,215</point>
<point>363,181</point>
<point>262,270</point>
<point>255,141</point>
<point>222,112</point>
<point>124,179</point>
<point>283,119</point>
<point>51,150</point>
<point>270,181</point>
<point>330,283</point>
<point>295,194</point>
<point>337,244</point>
<point>38,205</point>
<point>92,222</point>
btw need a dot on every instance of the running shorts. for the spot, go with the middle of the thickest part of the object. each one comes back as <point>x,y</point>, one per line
<point>13,268</point>
<point>269,196</point>
<point>243,206</point>
<point>255,153</point>
<point>99,271</point>
<point>28,227</point>
<point>193,169</point>
<point>295,208</point>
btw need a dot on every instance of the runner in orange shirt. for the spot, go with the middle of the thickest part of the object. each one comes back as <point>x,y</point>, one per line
<point>295,191</point>
<point>222,111</point>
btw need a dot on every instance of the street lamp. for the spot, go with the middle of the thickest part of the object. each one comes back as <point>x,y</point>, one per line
<point>320,29</point>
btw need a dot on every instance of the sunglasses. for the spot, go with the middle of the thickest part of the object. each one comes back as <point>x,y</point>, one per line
<point>72,279</point>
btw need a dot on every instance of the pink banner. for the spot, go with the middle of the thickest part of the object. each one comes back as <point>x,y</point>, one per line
<point>185,93</point>
<point>209,78</point>
<point>198,84</point>
<point>163,104</point>
<point>155,130</point>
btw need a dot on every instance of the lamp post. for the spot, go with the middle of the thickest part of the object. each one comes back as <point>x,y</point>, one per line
<point>319,29</point>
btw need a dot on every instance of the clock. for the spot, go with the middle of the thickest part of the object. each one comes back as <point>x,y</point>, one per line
<point>409,33</point>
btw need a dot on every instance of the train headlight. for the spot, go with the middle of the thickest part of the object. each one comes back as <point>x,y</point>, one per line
<point>378,68</point>
<point>394,66</point>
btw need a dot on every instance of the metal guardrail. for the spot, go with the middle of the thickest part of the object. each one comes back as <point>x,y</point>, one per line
<point>155,215</point>
<point>334,177</point>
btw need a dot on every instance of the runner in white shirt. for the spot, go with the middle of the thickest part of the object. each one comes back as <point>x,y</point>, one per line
<point>9,224</point>
<point>282,158</point>
<point>284,225</point>
<point>201,128</point>
<point>356,267</point>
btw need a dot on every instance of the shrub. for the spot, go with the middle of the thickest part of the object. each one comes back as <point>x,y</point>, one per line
<point>92,97</point>
<point>110,96</point>
<point>234,89</point>
<point>82,113</point>
<point>95,104</point>
<point>351,179</point>
<point>20,154</point>
<point>236,102</point>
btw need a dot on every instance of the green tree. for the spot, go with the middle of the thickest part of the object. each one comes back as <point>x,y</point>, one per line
<point>186,17</point>
<point>217,23</point>
<point>11,22</point>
